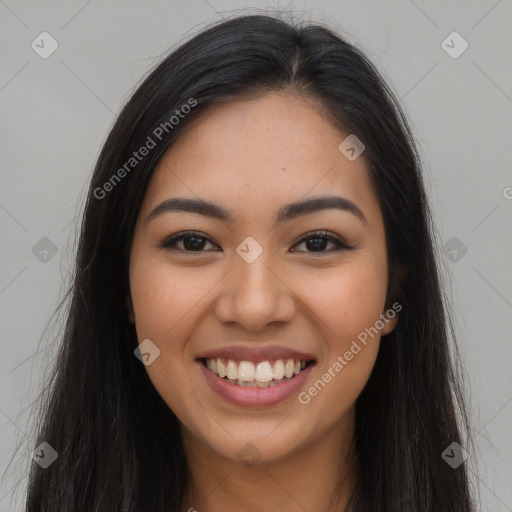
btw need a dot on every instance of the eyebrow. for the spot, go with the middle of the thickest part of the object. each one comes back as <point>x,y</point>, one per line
<point>287,212</point>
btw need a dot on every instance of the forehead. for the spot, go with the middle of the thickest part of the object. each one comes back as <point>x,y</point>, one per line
<point>250,154</point>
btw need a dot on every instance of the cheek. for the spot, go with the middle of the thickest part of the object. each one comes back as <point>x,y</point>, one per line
<point>348,298</point>
<point>163,300</point>
<point>347,304</point>
<point>163,296</point>
<point>167,301</point>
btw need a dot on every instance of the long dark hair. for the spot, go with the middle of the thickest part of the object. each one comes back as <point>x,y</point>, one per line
<point>118,443</point>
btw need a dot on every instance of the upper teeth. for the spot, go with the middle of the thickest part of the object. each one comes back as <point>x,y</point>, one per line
<point>247,371</point>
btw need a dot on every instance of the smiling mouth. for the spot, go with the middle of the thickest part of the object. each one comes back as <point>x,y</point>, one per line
<point>262,374</point>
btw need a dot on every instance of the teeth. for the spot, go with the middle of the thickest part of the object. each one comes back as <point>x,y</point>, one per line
<point>262,375</point>
<point>221,369</point>
<point>288,369</point>
<point>256,384</point>
<point>278,372</point>
<point>263,372</point>
<point>246,372</point>
<point>232,370</point>
<point>247,384</point>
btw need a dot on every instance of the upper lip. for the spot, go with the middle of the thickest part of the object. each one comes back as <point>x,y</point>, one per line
<point>255,354</point>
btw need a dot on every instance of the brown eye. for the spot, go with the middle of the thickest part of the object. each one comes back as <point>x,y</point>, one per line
<point>317,241</point>
<point>192,242</point>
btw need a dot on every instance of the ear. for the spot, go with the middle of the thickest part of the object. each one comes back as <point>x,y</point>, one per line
<point>129,307</point>
<point>390,318</point>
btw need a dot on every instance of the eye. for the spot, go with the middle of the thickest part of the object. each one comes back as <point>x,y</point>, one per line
<point>193,241</point>
<point>320,239</point>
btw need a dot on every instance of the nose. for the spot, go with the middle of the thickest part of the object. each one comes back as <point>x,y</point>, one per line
<point>254,295</point>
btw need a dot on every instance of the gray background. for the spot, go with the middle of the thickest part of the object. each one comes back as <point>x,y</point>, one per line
<point>56,113</point>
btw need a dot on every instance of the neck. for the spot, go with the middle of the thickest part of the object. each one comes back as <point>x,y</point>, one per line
<point>315,477</point>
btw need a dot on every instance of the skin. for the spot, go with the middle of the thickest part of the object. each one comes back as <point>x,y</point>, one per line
<point>251,157</point>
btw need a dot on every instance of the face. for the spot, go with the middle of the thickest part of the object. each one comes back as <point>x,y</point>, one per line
<point>258,283</point>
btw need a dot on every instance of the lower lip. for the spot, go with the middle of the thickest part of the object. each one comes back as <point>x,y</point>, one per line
<point>254,397</point>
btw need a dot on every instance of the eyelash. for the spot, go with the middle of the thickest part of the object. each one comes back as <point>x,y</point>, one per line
<point>170,242</point>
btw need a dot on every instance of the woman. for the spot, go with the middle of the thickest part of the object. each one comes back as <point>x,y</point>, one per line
<point>256,320</point>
